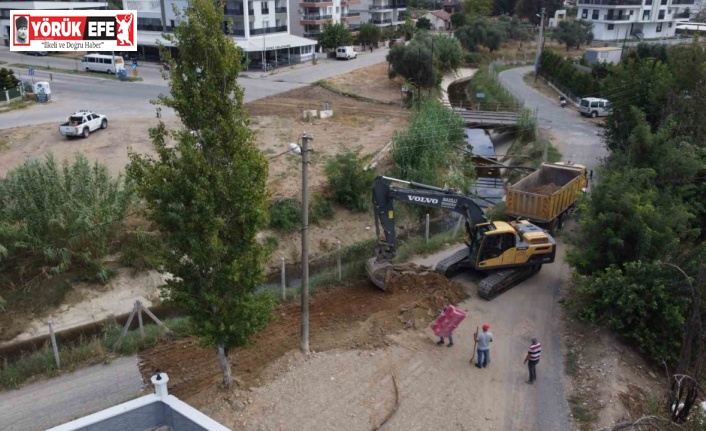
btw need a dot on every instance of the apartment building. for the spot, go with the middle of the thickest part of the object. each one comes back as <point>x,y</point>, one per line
<point>260,28</point>
<point>7,6</point>
<point>384,13</point>
<point>634,19</point>
<point>309,16</point>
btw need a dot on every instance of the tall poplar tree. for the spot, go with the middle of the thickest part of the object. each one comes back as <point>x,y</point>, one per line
<point>208,194</point>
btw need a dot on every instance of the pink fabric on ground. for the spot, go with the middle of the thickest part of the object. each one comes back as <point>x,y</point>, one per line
<point>448,321</point>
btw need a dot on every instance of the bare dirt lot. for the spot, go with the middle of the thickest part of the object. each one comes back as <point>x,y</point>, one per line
<point>277,121</point>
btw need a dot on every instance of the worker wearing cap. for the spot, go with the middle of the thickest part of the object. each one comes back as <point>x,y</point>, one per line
<point>484,339</point>
<point>21,26</point>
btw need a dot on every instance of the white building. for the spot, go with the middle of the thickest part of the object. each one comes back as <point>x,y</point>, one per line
<point>440,20</point>
<point>260,28</point>
<point>559,16</point>
<point>641,19</point>
<point>7,6</point>
<point>307,17</point>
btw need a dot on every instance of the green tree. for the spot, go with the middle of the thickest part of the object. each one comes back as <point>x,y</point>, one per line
<point>475,8</point>
<point>7,78</point>
<point>639,301</point>
<point>334,35</point>
<point>458,20</point>
<point>626,218</point>
<point>573,34</point>
<point>447,52</point>
<point>209,195</point>
<point>408,28</point>
<point>481,32</point>
<point>640,83</point>
<point>423,24</point>
<point>530,9</point>
<point>369,34</point>
<point>414,62</point>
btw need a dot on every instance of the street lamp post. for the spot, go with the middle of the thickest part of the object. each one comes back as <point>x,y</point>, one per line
<point>304,152</point>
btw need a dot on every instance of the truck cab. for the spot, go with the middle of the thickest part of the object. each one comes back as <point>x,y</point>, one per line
<point>82,123</point>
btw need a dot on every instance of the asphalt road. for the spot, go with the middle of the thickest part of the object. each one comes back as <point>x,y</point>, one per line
<point>131,99</point>
<point>579,138</point>
<point>50,403</point>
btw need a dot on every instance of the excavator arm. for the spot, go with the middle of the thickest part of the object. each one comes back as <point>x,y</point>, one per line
<point>421,194</point>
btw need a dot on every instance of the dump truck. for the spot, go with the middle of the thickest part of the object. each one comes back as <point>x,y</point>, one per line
<point>545,196</point>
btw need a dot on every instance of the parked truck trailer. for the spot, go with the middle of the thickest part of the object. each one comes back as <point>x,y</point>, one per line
<point>546,195</point>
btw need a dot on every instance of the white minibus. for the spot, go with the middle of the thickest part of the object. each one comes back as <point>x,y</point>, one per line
<point>102,63</point>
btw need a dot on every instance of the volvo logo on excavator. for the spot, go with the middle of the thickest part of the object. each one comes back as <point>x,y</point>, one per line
<point>423,199</point>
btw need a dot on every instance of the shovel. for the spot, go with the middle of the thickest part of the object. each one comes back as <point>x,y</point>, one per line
<point>475,342</point>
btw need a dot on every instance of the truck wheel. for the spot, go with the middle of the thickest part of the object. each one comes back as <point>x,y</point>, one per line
<point>560,222</point>
<point>594,114</point>
<point>104,124</point>
<point>86,132</point>
<point>88,70</point>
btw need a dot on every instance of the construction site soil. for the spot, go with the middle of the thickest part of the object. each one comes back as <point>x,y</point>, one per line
<point>358,315</point>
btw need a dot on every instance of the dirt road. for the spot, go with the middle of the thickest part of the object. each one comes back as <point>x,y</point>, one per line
<point>438,387</point>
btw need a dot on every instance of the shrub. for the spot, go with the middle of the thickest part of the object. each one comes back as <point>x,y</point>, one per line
<point>285,214</point>
<point>61,216</point>
<point>639,302</point>
<point>483,82</point>
<point>320,208</point>
<point>474,59</point>
<point>349,182</point>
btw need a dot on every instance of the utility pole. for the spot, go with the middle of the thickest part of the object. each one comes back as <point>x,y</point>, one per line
<point>539,44</point>
<point>163,11</point>
<point>305,243</point>
<point>265,24</point>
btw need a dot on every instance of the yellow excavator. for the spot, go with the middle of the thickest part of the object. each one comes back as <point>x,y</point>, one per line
<point>508,252</point>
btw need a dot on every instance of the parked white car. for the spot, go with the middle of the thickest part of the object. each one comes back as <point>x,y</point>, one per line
<point>82,123</point>
<point>594,107</point>
<point>346,52</point>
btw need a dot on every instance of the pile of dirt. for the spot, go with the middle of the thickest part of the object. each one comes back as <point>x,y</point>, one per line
<point>547,189</point>
<point>437,291</point>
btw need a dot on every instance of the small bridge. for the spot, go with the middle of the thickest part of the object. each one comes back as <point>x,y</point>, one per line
<point>487,115</point>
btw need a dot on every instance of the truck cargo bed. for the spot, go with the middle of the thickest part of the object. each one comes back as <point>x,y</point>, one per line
<point>546,193</point>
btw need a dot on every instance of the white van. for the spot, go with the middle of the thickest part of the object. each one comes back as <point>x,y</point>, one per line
<point>346,52</point>
<point>102,63</point>
<point>594,107</point>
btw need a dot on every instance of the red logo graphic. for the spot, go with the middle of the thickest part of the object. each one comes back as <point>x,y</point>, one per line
<point>125,34</point>
<point>21,28</point>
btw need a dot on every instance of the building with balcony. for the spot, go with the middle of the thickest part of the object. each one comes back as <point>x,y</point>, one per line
<point>384,13</point>
<point>308,16</point>
<point>634,19</point>
<point>7,6</point>
<point>260,28</point>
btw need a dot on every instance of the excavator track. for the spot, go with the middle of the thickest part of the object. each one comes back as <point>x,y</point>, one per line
<point>500,281</point>
<point>449,266</point>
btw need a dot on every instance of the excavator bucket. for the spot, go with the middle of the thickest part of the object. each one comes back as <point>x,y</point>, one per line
<point>377,272</point>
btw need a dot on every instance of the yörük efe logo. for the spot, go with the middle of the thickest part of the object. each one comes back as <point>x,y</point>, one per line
<point>73,30</point>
